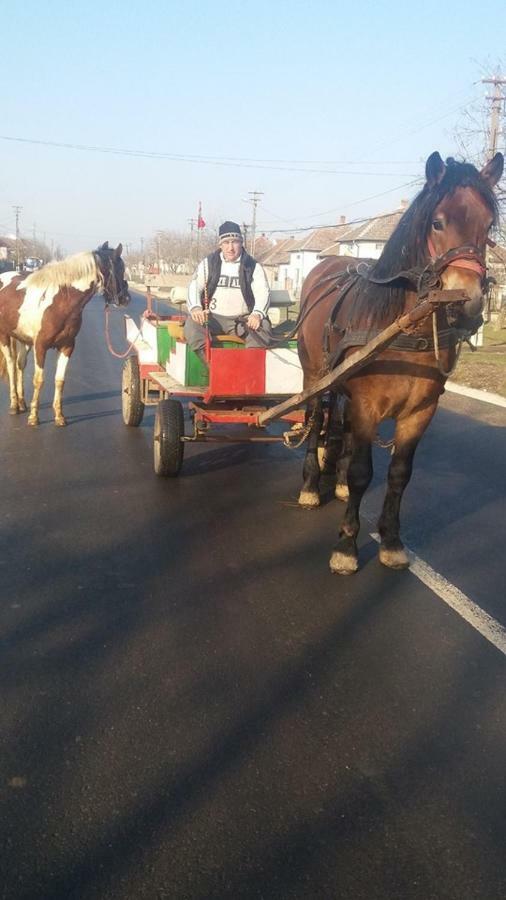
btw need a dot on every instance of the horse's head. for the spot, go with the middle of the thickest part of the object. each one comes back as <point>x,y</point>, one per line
<point>462,211</point>
<point>112,270</point>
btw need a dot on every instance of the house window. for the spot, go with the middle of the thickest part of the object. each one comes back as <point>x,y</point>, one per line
<point>379,246</point>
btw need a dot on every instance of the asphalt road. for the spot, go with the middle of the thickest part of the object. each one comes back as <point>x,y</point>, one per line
<point>192,706</point>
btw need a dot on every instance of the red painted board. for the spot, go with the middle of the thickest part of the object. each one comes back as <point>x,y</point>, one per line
<point>237,373</point>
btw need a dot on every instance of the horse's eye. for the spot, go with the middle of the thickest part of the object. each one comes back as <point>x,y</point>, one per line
<point>437,225</point>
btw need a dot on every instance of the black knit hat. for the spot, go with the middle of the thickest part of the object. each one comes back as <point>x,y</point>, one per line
<point>229,230</point>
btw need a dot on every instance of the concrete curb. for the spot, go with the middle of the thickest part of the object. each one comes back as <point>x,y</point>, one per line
<point>475,394</point>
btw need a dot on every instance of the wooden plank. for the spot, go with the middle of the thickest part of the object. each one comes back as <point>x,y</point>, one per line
<point>167,383</point>
<point>352,363</point>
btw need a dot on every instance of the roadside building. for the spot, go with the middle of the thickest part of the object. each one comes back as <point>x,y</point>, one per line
<point>496,262</point>
<point>366,240</point>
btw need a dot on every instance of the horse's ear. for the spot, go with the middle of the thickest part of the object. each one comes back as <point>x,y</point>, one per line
<point>119,250</point>
<point>492,172</point>
<point>104,246</point>
<point>434,169</point>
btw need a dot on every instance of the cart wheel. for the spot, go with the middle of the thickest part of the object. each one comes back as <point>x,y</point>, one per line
<point>131,398</point>
<point>168,447</point>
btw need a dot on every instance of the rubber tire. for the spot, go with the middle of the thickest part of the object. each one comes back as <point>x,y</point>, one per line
<point>132,406</point>
<point>168,448</point>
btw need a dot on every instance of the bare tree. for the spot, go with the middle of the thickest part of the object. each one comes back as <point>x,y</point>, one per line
<point>178,250</point>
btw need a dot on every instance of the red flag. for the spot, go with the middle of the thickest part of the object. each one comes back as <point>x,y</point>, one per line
<point>200,220</point>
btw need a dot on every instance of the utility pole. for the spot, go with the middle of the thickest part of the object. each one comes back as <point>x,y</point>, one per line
<point>17,210</point>
<point>245,229</point>
<point>496,100</point>
<point>496,109</point>
<point>255,200</point>
<point>191,223</point>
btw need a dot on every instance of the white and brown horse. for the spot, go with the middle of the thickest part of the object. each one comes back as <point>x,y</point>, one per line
<point>44,311</point>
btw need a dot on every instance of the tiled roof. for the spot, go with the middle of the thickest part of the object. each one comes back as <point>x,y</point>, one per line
<point>321,237</point>
<point>377,230</point>
<point>280,253</point>
<point>263,246</point>
<point>497,255</point>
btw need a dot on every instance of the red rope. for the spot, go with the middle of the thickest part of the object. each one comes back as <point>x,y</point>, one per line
<point>108,339</point>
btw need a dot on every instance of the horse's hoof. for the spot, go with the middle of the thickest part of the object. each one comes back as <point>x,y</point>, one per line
<point>22,407</point>
<point>33,420</point>
<point>309,500</point>
<point>394,559</point>
<point>342,492</point>
<point>13,410</point>
<point>60,421</point>
<point>343,563</point>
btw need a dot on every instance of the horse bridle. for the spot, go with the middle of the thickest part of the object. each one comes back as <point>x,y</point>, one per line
<point>108,279</point>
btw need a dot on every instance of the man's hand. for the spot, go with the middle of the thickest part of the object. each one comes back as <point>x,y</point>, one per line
<point>254,321</point>
<point>198,315</point>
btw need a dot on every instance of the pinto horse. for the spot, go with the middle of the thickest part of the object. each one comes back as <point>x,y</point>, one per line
<point>44,310</point>
<point>440,244</point>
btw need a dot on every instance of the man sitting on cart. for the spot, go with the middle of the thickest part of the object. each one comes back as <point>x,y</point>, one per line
<point>229,294</point>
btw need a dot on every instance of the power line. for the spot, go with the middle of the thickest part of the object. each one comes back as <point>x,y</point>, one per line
<point>188,158</point>
<point>340,209</point>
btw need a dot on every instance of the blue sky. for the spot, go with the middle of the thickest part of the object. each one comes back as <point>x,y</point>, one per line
<point>359,96</point>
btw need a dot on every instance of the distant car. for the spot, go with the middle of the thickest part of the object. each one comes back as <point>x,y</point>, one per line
<point>32,263</point>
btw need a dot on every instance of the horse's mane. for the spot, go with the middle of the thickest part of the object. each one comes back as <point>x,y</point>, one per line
<point>78,271</point>
<point>407,247</point>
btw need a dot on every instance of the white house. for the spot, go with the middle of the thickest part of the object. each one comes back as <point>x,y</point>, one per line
<point>276,263</point>
<point>305,255</point>
<point>366,240</point>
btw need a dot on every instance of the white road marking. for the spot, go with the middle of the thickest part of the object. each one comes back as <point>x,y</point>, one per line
<point>488,627</point>
<point>475,394</point>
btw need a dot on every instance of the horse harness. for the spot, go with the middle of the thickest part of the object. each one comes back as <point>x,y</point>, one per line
<point>425,281</point>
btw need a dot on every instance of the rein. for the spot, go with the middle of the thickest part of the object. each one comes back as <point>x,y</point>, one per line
<point>130,347</point>
<point>114,294</point>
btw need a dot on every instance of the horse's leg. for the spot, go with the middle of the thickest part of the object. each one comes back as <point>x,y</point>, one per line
<point>344,559</point>
<point>330,452</point>
<point>59,382</point>
<point>309,495</point>
<point>407,436</point>
<point>39,352</point>
<point>10,364</point>
<point>343,461</point>
<point>21,355</point>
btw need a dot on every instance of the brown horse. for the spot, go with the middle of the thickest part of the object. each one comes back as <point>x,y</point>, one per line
<point>439,243</point>
<point>44,310</point>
